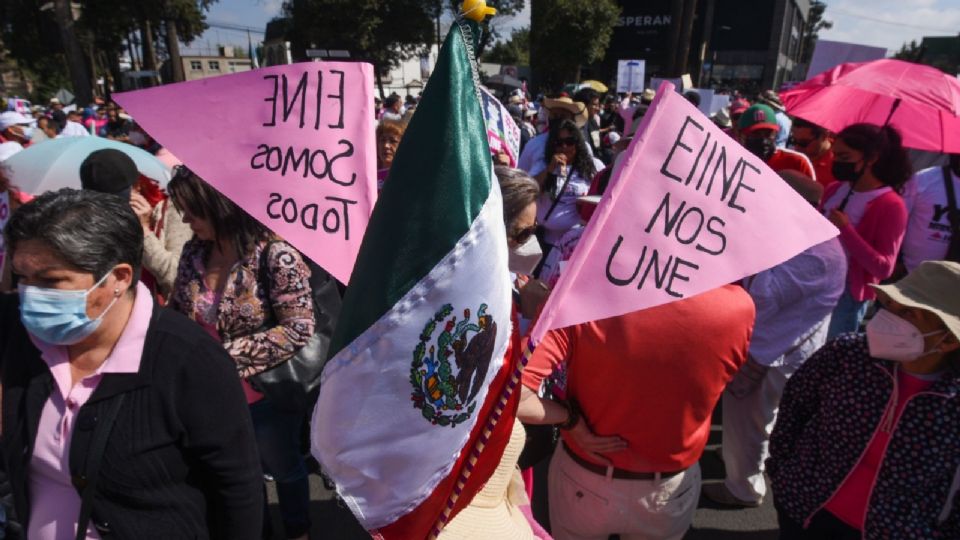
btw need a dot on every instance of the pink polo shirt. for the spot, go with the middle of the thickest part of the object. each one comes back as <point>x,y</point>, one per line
<point>54,502</point>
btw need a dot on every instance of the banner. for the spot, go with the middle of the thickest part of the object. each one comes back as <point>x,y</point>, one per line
<point>292,145</point>
<point>830,54</point>
<point>688,210</point>
<point>503,134</point>
<point>630,74</point>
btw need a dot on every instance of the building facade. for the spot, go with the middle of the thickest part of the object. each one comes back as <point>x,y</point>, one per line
<point>201,67</point>
<point>744,44</point>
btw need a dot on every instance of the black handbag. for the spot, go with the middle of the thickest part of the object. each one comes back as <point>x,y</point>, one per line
<point>293,385</point>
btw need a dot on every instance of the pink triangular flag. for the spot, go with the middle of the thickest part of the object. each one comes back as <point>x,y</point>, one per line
<point>292,145</point>
<point>688,210</point>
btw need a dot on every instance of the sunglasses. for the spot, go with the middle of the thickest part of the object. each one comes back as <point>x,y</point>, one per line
<point>567,141</point>
<point>524,234</point>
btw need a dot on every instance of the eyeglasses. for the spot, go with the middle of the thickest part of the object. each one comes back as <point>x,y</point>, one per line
<point>524,234</point>
<point>567,141</point>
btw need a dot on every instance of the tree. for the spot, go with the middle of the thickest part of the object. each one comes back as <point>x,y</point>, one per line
<point>909,51</point>
<point>811,30</point>
<point>383,32</point>
<point>491,27</point>
<point>566,34</point>
<point>514,51</point>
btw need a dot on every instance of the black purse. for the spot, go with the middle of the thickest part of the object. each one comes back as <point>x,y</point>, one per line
<point>293,385</point>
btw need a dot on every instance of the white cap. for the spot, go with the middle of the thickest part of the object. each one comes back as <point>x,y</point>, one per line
<point>13,118</point>
<point>8,149</point>
<point>613,137</point>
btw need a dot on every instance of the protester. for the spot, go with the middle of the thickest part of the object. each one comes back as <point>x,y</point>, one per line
<point>388,136</point>
<point>42,132</point>
<point>793,300</point>
<point>591,129</point>
<point>110,421</point>
<point>610,119</point>
<point>871,167</point>
<point>757,130</point>
<point>392,109</point>
<point>557,110</point>
<point>96,122</point>
<point>816,143</point>
<point>567,177</point>
<point>635,412</point>
<point>737,108</point>
<point>932,197</point>
<point>117,127</point>
<point>771,99</point>
<point>249,290</point>
<point>16,127</point>
<point>55,104</point>
<point>164,232</point>
<point>865,444</point>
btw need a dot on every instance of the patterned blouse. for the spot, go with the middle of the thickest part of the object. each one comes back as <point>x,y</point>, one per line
<point>258,332</point>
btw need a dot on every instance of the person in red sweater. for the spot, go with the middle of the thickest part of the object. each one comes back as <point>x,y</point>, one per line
<point>636,399</point>
<point>757,130</point>
<point>816,143</point>
<point>872,167</point>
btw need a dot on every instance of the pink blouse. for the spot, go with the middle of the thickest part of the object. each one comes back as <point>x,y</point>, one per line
<point>54,502</point>
<point>206,312</point>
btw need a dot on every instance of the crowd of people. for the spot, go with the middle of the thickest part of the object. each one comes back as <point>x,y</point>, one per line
<point>138,323</point>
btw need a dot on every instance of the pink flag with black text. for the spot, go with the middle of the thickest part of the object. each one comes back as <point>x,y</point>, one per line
<point>688,209</point>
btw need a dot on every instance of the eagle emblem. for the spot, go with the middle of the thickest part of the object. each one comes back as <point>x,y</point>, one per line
<point>448,373</point>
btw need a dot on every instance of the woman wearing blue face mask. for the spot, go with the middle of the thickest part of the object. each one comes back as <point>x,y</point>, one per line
<point>110,425</point>
<point>867,435</point>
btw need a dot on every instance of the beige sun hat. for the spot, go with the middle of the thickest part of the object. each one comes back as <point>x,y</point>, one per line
<point>577,109</point>
<point>933,286</point>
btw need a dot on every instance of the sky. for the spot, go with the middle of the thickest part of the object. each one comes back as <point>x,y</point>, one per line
<point>880,23</point>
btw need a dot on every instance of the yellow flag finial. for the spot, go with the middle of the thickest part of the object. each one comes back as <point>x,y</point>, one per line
<point>476,10</point>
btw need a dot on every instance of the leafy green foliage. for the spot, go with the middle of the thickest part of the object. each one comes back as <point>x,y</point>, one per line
<point>514,51</point>
<point>566,34</point>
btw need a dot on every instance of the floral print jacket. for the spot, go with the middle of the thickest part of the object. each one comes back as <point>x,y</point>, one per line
<point>831,408</point>
<point>258,330</point>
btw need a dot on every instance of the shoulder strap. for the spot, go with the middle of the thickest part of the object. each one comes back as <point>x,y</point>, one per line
<point>556,201</point>
<point>951,194</point>
<point>92,472</point>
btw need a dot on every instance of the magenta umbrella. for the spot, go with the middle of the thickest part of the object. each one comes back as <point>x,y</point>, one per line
<point>920,101</point>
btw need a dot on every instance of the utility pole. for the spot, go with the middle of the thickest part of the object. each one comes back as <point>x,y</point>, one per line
<point>686,34</point>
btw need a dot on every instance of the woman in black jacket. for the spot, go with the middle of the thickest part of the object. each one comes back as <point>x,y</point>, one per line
<point>110,421</point>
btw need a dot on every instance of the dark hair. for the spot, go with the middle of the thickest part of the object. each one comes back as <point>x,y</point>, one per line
<point>818,131</point>
<point>518,191</point>
<point>90,231</point>
<point>189,192</point>
<point>586,95</point>
<point>893,166</point>
<point>583,161</point>
<point>391,100</point>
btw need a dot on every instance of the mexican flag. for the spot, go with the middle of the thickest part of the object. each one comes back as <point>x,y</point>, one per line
<point>413,411</point>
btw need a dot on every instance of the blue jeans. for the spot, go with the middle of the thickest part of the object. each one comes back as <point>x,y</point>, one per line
<point>278,439</point>
<point>847,316</point>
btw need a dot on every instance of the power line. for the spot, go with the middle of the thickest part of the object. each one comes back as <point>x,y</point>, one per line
<point>883,21</point>
<point>234,27</point>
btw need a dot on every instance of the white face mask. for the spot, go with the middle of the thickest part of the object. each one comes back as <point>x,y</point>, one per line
<point>524,258</point>
<point>893,338</point>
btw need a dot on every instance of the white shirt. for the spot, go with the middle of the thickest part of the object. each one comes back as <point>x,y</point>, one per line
<point>532,160</point>
<point>928,228</point>
<point>564,216</point>
<point>73,129</point>
<point>856,204</point>
<point>794,301</point>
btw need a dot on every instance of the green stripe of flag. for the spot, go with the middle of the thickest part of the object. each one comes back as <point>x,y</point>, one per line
<point>439,181</point>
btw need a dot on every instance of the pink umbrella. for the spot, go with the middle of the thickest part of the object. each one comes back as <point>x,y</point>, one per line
<point>920,101</point>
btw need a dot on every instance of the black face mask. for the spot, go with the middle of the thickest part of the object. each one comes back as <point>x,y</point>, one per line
<point>762,148</point>
<point>846,171</point>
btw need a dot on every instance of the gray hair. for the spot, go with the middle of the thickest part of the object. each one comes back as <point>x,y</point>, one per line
<point>518,190</point>
<point>90,231</point>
